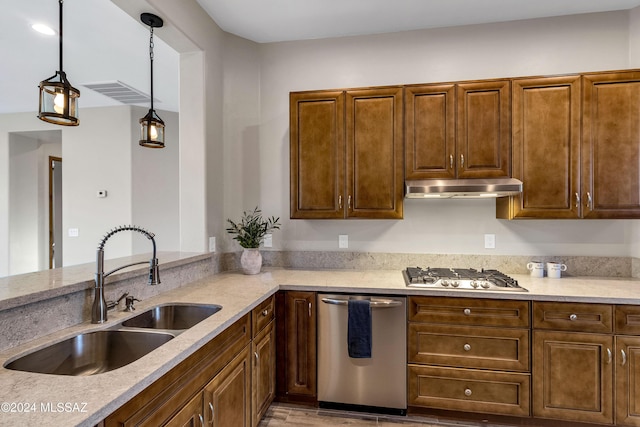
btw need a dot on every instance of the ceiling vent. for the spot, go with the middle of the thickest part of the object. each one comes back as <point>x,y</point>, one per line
<point>120,92</point>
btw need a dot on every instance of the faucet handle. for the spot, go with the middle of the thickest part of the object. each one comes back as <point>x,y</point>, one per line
<point>129,303</point>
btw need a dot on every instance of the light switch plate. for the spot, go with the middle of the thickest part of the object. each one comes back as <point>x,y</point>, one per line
<point>489,241</point>
<point>268,240</point>
<point>343,241</point>
<point>212,244</point>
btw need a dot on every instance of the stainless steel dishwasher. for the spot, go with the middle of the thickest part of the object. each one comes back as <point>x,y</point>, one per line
<point>377,384</point>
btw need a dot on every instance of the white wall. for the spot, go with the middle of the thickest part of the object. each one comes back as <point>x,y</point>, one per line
<point>155,185</point>
<point>100,154</point>
<point>535,47</point>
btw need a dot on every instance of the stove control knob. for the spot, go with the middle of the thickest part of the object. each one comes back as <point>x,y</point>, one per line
<point>485,285</point>
<point>474,283</point>
<point>445,283</point>
<point>455,283</point>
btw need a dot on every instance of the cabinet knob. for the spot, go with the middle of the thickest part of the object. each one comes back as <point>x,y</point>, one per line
<point>573,317</point>
<point>467,347</point>
<point>468,392</point>
<point>467,311</point>
<point>265,312</point>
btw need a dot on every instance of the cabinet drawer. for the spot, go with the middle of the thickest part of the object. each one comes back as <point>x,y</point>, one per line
<point>627,319</point>
<point>262,315</point>
<point>578,317</point>
<point>469,311</point>
<point>469,346</point>
<point>488,392</point>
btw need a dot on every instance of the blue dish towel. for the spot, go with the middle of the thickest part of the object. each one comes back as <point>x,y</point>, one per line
<point>359,329</point>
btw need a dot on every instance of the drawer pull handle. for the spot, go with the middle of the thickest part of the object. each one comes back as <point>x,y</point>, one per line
<point>265,312</point>
<point>624,357</point>
<point>467,311</point>
<point>573,317</point>
<point>609,356</point>
<point>467,347</point>
<point>211,409</point>
<point>201,420</point>
<point>468,392</point>
<point>451,161</point>
<point>340,202</point>
<point>256,354</point>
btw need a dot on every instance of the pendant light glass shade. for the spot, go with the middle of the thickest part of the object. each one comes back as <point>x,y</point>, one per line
<point>58,99</point>
<point>152,130</point>
<point>151,125</point>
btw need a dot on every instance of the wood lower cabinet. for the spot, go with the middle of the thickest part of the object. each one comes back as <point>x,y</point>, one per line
<point>172,397</point>
<point>227,398</point>
<point>574,376</point>
<point>347,154</point>
<point>190,415</point>
<point>263,354</point>
<point>296,347</point>
<point>469,355</point>
<point>573,362</point>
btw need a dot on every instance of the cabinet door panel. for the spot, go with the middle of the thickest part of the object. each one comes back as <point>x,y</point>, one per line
<point>227,398</point>
<point>546,147</point>
<point>611,145</point>
<point>430,147</point>
<point>189,416</point>
<point>264,373</point>
<point>628,381</point>
<point>574,376</point>
<point>484,129</point>
<point>375,183</point>
<point>317,154</point>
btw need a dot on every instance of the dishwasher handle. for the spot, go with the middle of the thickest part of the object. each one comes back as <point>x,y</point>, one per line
<point>378,303</point>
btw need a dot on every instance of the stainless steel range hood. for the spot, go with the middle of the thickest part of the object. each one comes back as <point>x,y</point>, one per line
<point>462,188</point>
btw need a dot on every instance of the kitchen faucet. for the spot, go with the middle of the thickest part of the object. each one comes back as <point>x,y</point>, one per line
<point>99,309</point>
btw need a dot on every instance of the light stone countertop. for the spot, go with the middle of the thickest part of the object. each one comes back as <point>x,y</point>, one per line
<point>238,294</point>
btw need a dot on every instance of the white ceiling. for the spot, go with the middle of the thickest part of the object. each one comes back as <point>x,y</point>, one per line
<point>279,20</point>
<point>103,43</point>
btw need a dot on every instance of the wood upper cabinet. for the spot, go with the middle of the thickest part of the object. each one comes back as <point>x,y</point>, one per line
<point>546,149</point>
<point>346,154</point>
<point>611,145</point>
<point>430,120</point>
<point>317,154</point>
<point>458,130</point>
<point>296,346</point>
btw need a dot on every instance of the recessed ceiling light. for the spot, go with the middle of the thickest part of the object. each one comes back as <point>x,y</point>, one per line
<point>41,28</point>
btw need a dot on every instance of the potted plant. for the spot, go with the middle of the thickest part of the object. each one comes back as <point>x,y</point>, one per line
<point>250,232</point>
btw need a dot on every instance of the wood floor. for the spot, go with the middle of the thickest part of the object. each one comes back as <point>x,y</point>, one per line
<point>285,415</point>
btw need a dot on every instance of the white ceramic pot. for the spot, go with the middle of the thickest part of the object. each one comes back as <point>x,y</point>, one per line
<point>251,261</point>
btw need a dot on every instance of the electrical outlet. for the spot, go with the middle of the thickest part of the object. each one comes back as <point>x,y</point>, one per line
<point>343,241</point>
<point>268,240</point>
<point>73,232</point>
<point>489,241</point>
<point>102,193</point>
<point>212,244</point>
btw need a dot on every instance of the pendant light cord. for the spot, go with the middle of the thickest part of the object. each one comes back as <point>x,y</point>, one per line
<point>151,62</point>
<point>60,1</point>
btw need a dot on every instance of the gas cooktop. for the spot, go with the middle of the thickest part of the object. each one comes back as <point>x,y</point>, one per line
<point>460,278</point>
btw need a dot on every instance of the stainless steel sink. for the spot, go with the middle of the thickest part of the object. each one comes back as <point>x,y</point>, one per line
<point>91,353</point>
<point>172,316</point>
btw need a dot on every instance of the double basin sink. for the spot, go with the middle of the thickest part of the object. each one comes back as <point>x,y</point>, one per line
<point>105,350</point>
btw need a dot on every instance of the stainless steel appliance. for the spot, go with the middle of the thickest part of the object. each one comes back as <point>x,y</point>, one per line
<point>460,278</point>
<point>376,384</point>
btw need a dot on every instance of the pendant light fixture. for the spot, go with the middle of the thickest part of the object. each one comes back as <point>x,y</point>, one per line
<point>58,99</point>
<point>151,126</point>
